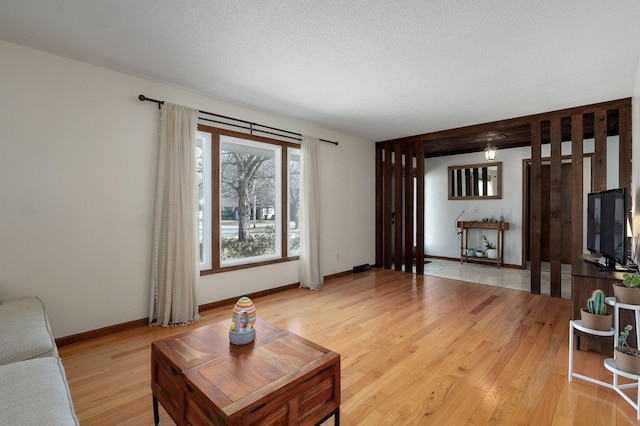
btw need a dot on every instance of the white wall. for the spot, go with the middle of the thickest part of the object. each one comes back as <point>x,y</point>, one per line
<point>441,238</point>
<point>77,170</point>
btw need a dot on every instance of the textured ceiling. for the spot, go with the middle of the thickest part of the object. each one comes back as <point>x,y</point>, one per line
<point>374,69</point>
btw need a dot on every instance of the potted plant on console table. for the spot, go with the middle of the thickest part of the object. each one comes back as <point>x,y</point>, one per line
<point>596,316</point>
<point>490,248</point>
<point>629,292</point>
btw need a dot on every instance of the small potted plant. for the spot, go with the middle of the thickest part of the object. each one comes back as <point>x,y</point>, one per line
<point>490,248</point>
<point>627,358</point>
<point>629,292</point>
<point>596,316</point>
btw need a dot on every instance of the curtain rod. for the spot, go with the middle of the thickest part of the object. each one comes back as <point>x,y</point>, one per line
<point>248,125</point>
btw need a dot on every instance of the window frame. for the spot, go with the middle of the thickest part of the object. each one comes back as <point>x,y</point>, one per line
<point>214,248</point>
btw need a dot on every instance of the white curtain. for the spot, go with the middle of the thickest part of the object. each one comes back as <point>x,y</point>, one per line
<point>310,274</point>
<point>175,252</point>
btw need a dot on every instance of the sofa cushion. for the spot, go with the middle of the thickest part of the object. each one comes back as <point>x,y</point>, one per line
<point>35,392</point>
<point>25,332</point>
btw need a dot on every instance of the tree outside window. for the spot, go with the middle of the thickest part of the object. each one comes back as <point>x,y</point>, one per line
<point>249,189</point>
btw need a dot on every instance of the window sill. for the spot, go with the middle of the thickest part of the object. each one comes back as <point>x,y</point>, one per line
<point>247,265</point>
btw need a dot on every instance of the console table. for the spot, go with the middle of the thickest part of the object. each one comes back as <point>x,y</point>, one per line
<point>499,227</point>
<point>280,378</point>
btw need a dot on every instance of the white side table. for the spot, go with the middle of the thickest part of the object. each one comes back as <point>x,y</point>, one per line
<point>610,363</point>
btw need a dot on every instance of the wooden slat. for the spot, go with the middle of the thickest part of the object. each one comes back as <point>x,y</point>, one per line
<point>599,165</point>
<point>387,223</point>
<point>535,207</point>
<point>577,198</point>
<point>555,207</point>
<point>408,207</point>
<point>526,203</point>
<point>379,206</point>
<point>420,210</point>
<point>397,207</point>
<point>624,171</point>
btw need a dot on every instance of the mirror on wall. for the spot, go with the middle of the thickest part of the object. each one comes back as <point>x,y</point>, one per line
<point>475,181</point>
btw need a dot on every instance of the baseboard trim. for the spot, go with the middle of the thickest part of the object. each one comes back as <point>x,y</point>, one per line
<point>233,300</point>
<point>337,275</point>
<point>116,328</point>
<point>101,332</point>
<point>457,259</point>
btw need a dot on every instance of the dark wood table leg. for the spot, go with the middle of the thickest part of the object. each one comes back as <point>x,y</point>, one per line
<point>156,413</point>
<point>336,417</point>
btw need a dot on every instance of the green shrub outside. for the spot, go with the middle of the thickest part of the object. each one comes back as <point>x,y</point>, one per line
<point>258,244</point>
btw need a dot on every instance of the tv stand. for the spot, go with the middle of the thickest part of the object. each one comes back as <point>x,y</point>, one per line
<point>612,268</point>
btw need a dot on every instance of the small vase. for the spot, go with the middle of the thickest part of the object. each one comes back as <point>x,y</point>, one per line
<point>627,363</point>
<point>626,295</point>
<point>596,322</point>
<point>492,253</point>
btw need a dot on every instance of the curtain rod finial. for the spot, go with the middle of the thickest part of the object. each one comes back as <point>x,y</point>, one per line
<point>144,98</point>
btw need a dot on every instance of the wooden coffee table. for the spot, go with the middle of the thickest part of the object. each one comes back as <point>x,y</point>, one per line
<point>280,378</point>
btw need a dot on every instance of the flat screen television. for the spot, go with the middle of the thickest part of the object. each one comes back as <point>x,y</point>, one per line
<point>607,227</point>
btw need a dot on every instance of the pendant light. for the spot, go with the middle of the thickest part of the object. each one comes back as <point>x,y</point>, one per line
<point>490,151</point>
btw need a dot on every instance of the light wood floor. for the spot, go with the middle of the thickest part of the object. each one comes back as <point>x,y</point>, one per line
<point>414,350</point>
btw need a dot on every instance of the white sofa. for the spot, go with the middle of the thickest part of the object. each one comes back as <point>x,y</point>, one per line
<point>33,383</point>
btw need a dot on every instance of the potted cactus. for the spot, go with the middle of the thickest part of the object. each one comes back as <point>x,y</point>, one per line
<point>596,316</point>
<point>627,358</point>
<point>629,292</point>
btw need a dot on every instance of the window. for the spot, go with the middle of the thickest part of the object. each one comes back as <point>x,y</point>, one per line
<point>249,199</point>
